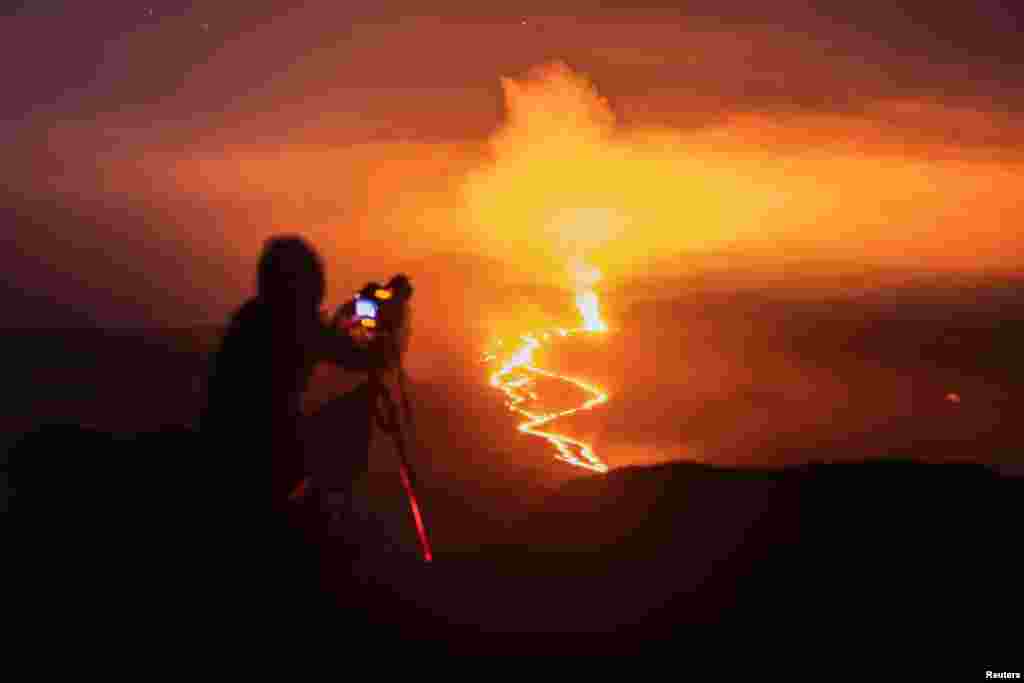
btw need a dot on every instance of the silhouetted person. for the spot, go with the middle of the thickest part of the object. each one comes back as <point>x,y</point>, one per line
<point>254,415</point>
<point>264,364</point>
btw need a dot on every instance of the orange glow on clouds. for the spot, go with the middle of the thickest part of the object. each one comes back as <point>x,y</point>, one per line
<point>562,178</point>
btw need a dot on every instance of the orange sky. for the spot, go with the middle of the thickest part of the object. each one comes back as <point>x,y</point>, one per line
<point>561,175</point>
<point>856,135</point>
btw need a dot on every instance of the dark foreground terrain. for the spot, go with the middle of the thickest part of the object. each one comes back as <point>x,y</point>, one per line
<point>893,547</point>
<point>890,527</point>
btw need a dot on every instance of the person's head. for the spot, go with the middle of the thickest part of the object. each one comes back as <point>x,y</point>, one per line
<point>291,273</point>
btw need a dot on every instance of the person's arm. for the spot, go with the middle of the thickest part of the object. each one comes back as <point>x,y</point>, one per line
<point>336,346</point>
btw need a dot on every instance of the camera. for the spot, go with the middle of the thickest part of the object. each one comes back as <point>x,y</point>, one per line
<point>378,313</point>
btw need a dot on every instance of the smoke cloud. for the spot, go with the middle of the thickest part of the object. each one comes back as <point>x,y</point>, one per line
<point>919,184</point>
<point>911,184</point>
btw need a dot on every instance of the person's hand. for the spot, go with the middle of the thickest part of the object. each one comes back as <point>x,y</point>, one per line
<point>342,315</point>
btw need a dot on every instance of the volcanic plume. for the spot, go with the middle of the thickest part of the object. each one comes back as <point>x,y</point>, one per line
<point>565,178</point>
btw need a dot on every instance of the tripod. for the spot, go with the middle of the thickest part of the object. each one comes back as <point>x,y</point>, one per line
<point>386,414</point>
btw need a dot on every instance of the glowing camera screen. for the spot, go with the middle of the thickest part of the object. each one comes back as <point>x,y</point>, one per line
<point>366,308</point>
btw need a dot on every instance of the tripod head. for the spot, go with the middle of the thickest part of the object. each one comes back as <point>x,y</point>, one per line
<point>378,317</point>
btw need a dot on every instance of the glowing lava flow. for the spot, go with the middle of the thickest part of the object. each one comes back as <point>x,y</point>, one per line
<point>516,379</point>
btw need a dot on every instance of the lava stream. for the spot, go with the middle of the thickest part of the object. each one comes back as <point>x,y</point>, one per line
<point>516,380</point>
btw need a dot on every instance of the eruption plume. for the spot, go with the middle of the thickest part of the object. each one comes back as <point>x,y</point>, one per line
<point>554,116</point>
<point>566,177</point>
<point>586,300</point>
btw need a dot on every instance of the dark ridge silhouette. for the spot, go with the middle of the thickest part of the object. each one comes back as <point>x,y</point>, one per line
<point>121,505</point>
<point>638,553</point>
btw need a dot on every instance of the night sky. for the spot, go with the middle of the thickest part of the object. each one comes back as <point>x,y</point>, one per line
<point>152,145</point>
